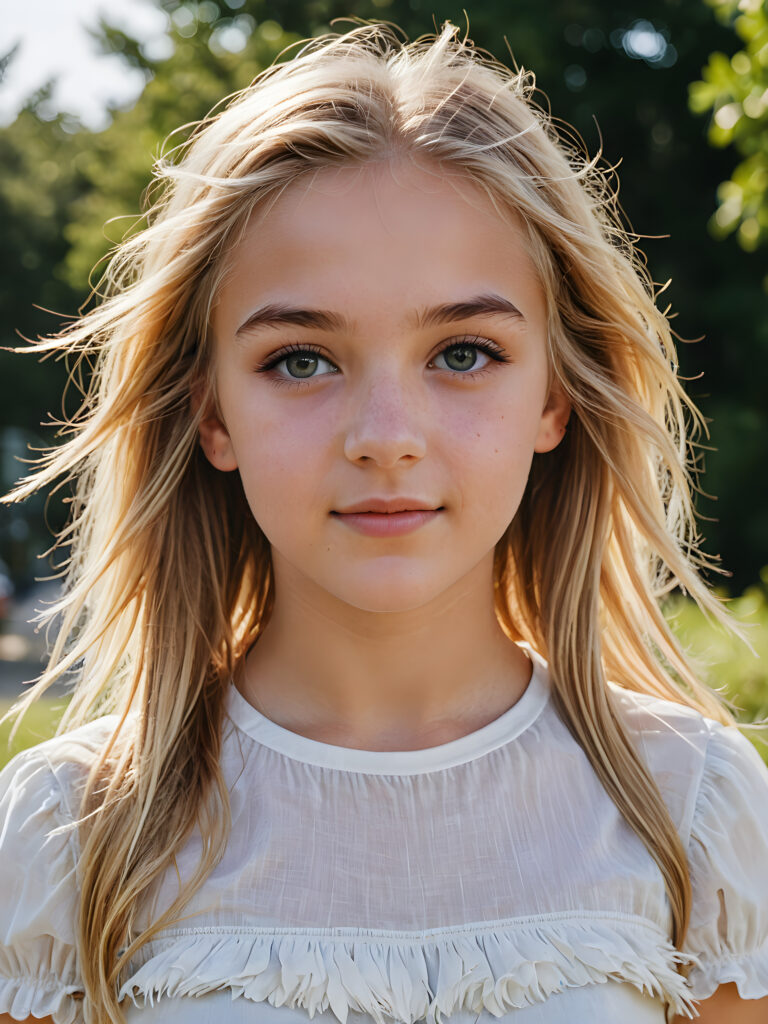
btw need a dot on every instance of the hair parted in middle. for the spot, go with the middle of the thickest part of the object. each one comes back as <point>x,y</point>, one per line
<point>169,577</point>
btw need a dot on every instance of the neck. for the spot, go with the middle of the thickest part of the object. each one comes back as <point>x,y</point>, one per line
<point>376,680</point>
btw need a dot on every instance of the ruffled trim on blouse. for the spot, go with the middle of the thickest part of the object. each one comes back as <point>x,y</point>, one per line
<point>23,997</point>
<point>385,974</point>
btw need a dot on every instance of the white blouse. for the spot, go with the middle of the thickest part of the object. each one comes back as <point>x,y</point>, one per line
<point>487,878</point>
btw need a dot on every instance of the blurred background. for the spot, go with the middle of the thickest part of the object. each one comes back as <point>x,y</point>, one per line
<point>675,91</point>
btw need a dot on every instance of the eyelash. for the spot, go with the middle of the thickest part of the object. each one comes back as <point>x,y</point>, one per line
<point>485,345</point>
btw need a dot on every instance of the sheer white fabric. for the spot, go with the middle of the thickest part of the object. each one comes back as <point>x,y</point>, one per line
<point>487,878</point>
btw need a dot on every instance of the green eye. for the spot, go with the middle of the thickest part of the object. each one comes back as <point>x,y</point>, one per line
<point>463,355</point>
<point>301,364</point>
<point>301,361</point>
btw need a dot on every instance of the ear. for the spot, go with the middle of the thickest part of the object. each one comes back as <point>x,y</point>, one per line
<point>214,437</point>
<point>554,418</point>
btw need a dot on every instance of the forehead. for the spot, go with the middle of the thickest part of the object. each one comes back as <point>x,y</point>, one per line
<point>369,235</point>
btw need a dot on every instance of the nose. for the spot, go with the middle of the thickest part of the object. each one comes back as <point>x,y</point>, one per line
<point>385,424</point>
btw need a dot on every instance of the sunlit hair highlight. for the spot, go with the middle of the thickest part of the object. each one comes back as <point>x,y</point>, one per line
<point>169,578</point>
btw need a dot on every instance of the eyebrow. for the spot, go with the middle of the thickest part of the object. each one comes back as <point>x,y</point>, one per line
<point>277,314</point>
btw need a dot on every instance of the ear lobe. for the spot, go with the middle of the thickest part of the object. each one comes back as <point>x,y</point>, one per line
<point>217,444</point>
<point>554,419</point>
<point>214,437</point>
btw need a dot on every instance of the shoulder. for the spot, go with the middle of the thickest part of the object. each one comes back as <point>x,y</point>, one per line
<point>661,727</point>
<point>77,745</point>
<point>669,736</point>
<point>47,777</point>
<point>647,714</point>
<point>689,754</point>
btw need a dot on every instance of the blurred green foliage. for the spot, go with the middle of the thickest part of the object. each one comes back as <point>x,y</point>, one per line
<point>723,660</point>
<point>620,74</point>
<point>735,90</point>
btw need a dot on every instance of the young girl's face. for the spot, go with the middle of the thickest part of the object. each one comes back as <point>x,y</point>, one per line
<point>372,401</point>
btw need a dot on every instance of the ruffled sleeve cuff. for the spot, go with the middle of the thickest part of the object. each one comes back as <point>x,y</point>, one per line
<point>749,971</point>
<point>42,996</point>
<point>728,860</point>
<point>38,910</point>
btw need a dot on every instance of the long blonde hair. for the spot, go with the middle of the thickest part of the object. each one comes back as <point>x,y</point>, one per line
<point>169,578</point>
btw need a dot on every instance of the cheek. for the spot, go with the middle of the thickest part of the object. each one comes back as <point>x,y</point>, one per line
<point>491,451</point>
<point>282,461</point>
<point>496,433</point>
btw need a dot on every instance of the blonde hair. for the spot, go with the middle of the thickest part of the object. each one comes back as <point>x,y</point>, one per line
<point>169,577</point>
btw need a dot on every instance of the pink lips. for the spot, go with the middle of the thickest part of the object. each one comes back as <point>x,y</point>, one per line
<point>387,524</point>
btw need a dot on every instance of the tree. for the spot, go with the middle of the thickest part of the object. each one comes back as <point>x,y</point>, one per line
<point>40,180</point>
<point>735,90</point>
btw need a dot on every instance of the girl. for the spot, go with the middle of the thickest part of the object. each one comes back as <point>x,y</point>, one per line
<point>381,473</point>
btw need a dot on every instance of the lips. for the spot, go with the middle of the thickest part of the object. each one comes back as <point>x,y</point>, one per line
<point>388,506</point>
<point>387,524</point>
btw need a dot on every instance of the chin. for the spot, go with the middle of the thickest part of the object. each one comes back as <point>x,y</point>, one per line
<point>389,595</point>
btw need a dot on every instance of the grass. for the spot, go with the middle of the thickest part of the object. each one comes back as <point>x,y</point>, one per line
<point>38,724</point>
<point>725,663</point>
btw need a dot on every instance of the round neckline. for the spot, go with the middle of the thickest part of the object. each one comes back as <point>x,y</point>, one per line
<point>398,762</point>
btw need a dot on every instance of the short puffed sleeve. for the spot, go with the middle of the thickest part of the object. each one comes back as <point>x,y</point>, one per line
<point>38,894</point>
<point>728,861</point>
